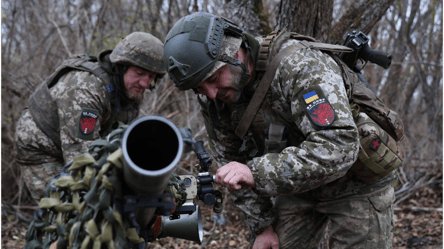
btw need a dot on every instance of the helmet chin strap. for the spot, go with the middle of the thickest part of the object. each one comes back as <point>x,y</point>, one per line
<point>245,74</point>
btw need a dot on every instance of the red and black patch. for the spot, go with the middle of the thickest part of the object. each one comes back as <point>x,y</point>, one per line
<point>374,145</point>
<point>321,112</point>
<point>87,123</point>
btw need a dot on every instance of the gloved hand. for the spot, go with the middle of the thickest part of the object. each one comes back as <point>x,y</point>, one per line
<point>234,176</point>
<point>267,239</point>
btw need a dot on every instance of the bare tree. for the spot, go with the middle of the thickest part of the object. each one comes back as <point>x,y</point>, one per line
<point>312,18</point>
<point>360,15</point>
<point>249,15</point>
<point>37,35</point>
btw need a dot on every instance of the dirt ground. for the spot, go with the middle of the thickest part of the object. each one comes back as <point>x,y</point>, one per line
<point>418,224</point>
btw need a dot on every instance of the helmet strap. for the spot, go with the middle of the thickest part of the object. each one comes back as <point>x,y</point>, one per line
<point>245,73</point>
<point>230,60</point>
<point>118,71</point>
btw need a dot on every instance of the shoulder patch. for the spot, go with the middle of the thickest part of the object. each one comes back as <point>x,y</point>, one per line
<point>87,123</point>
<point>318,109</point>
<point>321,112</point>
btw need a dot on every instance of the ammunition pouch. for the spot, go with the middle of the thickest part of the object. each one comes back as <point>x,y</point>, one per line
<point>379,152</point>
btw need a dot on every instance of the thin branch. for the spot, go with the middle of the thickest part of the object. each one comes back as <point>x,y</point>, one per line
<point>412,62</point>
<point>61,36</point>
<point>188,109</point>
<point>432,127</point>
<point>417,209</point>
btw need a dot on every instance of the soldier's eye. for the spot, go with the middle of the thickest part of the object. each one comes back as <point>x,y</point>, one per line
<point>213,78</point>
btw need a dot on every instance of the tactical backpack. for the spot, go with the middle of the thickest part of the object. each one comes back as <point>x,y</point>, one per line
<point>380,129</point>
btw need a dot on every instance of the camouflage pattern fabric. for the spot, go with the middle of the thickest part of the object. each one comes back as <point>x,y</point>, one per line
<point>141,49</point>
<point>314,163</point>
<point>74,91</point>
<point>38,177</point>
<point>229,46</point>
<point>356,221</point>
<point>33,146</point>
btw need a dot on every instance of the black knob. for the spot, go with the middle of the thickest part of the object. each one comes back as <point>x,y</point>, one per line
<point>187,181</point>
<point>218,207</point>
<point>209,199</point>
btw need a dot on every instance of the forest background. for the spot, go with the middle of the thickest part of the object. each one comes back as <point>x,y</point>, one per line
<point>37,35</point>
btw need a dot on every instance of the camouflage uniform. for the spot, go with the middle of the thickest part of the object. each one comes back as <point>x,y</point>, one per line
<point>74,92</point>
<point>304,187</point>
<point>87,104</point>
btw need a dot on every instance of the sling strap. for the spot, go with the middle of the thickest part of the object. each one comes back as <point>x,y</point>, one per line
<point>261,91</point>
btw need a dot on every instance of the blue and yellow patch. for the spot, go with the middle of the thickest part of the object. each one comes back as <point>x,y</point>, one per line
<point>317,107</point>
<point>310,97</point>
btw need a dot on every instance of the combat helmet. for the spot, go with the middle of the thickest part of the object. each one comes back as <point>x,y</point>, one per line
<point>197,45</point>
<point>142,50</point>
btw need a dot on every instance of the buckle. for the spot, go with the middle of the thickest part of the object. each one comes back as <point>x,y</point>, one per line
<point>224,58</point>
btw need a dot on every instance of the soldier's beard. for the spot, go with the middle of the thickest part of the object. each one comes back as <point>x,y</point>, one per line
<point>134,96</point>
<point>234,88</point>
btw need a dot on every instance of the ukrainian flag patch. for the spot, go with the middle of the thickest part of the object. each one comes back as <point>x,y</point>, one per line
<point>310,97</point>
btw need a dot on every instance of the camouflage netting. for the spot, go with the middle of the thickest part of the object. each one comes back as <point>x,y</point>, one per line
<point>80,211</point>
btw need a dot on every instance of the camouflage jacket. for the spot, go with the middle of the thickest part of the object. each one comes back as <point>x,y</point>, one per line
<point>315,152</point>
<point>83,102</point>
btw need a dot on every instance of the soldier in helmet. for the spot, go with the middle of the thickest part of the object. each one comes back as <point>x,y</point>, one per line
<point>83,100</point>
<point>287,151</point>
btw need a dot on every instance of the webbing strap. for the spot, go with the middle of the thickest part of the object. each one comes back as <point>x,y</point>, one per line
<point>261,91</point>
<point>264,50</point>
<point>327,47</point>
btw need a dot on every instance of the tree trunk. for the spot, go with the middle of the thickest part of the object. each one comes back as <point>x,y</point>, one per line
<point>401,49</point>
<point>312,18</point>
<point>249,15</point>
<point>361,15</point>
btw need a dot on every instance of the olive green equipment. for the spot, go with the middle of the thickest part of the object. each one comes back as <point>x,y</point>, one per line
<point>380,129</point>
<point>123,192</point>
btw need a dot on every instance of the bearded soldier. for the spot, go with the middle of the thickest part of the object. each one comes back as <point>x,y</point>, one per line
<point>83,100</point>
<point>286,138</point>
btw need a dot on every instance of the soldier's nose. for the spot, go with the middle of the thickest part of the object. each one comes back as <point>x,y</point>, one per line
<point>145,82</point>
<point>209,91</point>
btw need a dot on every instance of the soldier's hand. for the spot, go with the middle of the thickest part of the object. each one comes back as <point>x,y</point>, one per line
<point>234,176</point>
<point>267,239</point>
